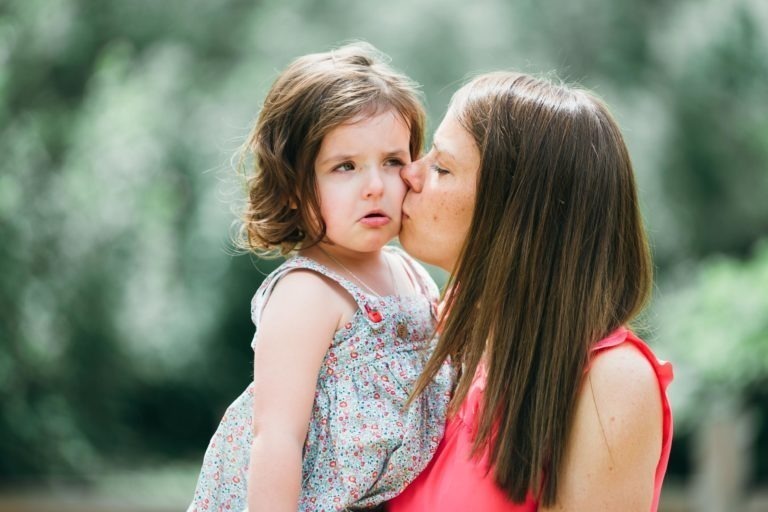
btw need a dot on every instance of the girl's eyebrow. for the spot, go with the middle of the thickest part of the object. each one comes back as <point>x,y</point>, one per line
<point>335,158</point>
<point>340,157</point>
<point>395,152</point>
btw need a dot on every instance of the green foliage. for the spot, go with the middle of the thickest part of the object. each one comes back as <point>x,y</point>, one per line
<point>712,322</point>
<point>115,266</point>
<point>718,143</point>
<point>124,325</point>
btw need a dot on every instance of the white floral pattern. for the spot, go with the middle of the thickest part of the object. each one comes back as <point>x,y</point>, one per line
<point>362,446</point>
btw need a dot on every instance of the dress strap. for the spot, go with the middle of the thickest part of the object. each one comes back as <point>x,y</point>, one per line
<point>664,375</point>
<point>366,302</point>
<point>417,274</point>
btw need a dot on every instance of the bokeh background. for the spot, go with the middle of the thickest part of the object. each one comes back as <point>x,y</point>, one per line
<point>124,310</point>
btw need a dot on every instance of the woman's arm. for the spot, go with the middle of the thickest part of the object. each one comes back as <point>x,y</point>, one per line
<point>615,444</point>
<point>295,331</point>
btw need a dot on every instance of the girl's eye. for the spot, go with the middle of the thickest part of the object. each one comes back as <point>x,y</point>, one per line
<point>346,166</point>
<point>395,162</point>
<point>439,170</point>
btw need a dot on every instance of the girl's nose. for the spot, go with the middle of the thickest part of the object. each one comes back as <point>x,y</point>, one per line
<point>375,184</point>
<point>413,175</point>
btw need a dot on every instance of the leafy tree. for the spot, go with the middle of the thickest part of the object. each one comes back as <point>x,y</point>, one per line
<point>124,326</point>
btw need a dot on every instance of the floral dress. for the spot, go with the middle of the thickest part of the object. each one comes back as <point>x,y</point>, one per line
<point>362,447</point>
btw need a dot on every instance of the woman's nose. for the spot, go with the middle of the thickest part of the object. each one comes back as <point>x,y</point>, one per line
<point>413,175</point>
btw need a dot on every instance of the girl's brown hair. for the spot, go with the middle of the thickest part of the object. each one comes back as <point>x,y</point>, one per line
<point>315,94</point>
<point>557,259</point>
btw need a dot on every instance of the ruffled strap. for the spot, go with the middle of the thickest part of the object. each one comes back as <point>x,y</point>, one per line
<point>366,302</point>
<point>664,375</point>
<point>417,274</point>
<point>662,368</point>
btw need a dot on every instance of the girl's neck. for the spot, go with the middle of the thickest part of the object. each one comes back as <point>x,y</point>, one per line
<point>372,271</point>
<point>353,260</point>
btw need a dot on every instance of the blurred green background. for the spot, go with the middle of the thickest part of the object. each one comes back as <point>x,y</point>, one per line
<point>124,312</point>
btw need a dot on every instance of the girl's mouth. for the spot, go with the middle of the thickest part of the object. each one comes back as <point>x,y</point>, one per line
<point>375,219</point>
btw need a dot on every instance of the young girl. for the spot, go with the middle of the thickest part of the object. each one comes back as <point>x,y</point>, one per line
<point>344,326</point>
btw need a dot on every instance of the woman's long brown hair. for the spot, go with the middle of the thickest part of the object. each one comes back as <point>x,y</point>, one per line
<point>557,259</point>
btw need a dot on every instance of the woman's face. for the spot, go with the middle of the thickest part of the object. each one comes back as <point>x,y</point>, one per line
<point>438,206</point>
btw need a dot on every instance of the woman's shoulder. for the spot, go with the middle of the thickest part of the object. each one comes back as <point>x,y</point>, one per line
<point>623,360</point>
<point>623,381</point>
<point>620,430</point>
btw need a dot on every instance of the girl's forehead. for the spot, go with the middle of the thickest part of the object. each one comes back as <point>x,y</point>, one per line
<point>383,133</point>
<point>387,124</point>
<point>370,112</point>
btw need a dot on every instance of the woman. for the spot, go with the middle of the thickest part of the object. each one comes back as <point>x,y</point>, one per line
<point>528,198</point>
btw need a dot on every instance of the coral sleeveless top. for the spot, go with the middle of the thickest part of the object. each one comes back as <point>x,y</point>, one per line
<point>455,482</point>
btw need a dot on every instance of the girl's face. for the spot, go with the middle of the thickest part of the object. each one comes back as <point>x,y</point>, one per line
<point>358,181</point>
<point>438,206</point>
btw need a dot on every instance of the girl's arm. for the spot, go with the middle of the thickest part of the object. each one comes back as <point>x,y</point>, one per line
<point>615,444</point>
<point>295,330</point>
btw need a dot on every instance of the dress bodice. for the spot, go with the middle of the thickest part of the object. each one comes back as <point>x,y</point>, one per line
<point>363,446</point>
